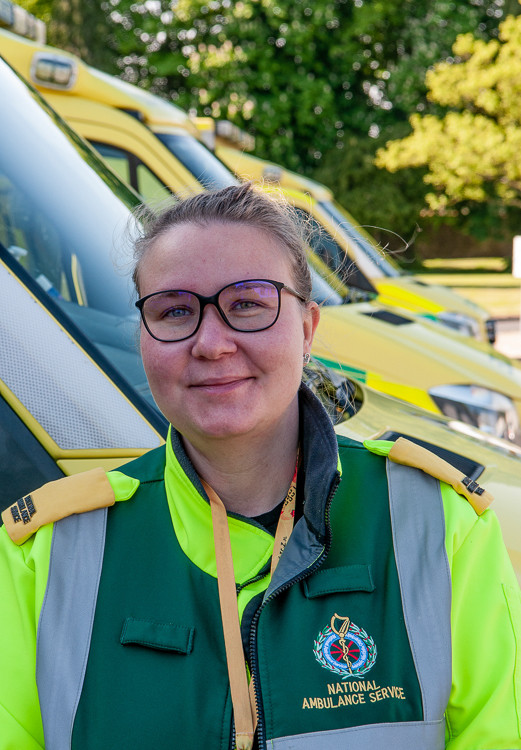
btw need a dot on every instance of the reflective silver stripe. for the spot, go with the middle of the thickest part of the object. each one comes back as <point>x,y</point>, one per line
<point>418,527</point>
<point>418,524</point>
<point>66,619</point>
<point>418,735</point>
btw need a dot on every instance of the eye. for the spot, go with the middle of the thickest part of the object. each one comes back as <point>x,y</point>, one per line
<point>244,304</point>
<point>177,312</point>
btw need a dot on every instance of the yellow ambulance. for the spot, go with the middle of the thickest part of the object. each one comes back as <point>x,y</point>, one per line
<point>387,349</point>
<point>73,393</point>
<point>134,130</point>
<point>371,268</point>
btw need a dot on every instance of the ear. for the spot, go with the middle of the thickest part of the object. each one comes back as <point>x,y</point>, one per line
<point>311,318</point>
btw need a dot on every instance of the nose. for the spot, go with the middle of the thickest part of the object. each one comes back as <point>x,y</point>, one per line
<point>213,338</point>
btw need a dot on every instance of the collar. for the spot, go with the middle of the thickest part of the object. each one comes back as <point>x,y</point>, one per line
<point>320,459</point>
<point>252,546</point>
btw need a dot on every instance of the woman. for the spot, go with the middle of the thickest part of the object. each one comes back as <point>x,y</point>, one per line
<point>257,582</point>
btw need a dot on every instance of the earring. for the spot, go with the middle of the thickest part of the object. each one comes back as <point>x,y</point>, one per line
<point>306,358</point>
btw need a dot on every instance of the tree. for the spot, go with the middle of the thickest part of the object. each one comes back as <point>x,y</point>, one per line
<point>320,85</point>
<point>396,200</point>
<point>278,69</point>
<point>298,75</point>
<point>78,27</point>
<point>472,151</point>
<point>387,205</point>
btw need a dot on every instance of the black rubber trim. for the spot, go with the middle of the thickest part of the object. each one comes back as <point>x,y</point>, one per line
<point>389,317</point>
<point>24,462</point>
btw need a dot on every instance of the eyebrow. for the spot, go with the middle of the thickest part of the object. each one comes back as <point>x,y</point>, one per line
<point>174,292</point>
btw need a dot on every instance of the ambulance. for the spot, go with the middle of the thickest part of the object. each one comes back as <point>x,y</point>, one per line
<point>351,246</point>
<point>73,393</point>
<point>134,130</point>
<point>391,350</point>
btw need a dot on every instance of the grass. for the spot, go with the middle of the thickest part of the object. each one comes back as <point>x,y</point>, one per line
<point>448,265</point>
<point>482,280</point>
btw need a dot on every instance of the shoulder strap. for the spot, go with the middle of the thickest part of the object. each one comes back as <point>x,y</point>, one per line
<point>410,454</point>
<point>75,494</point>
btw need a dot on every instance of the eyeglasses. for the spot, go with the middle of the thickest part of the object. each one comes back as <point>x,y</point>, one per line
<point>247,306</point>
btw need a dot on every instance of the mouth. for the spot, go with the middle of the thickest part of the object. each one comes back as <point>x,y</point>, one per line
<point>221,385</point>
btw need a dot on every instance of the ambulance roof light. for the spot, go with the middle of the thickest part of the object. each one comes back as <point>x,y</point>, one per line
<point>211,131</point>
<point>272,173</point>
<point>53,71</point>
<point>6,13</point>
<point>20,21</point>
<point>239,138</point>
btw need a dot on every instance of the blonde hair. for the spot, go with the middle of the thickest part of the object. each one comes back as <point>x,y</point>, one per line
<point>242,204</point>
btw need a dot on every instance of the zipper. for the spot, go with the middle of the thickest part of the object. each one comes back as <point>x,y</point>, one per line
<point>263,573</point>
<point>308,571</point>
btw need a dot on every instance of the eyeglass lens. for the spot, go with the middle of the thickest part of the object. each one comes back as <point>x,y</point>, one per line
<point>247,306</point>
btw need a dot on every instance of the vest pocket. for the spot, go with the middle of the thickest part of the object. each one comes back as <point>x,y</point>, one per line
<point>339,580</point>
<point>164,636</point>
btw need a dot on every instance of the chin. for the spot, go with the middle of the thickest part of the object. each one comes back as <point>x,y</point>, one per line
<point>227,425</point>
<point>221,430</point>
<point>248,417</point>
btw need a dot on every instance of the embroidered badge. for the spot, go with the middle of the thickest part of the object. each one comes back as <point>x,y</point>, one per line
<point>344,648</point>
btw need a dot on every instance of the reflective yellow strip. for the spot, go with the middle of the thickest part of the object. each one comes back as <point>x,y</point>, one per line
<point>77,280</point>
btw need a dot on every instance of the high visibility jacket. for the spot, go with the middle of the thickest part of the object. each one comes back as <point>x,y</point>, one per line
<point>130,650</point>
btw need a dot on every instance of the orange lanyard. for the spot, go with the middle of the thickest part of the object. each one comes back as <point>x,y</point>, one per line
<point>243,697</point>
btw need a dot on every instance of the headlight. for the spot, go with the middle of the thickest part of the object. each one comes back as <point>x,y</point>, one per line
<point>488,410</point>
<point>505,446</point>
<point>460,322</point>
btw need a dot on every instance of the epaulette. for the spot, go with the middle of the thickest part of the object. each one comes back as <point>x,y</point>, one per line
<point>55,500</point>
<point>410,454</point>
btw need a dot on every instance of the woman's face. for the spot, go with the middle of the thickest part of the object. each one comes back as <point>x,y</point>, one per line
<point>222,383</point>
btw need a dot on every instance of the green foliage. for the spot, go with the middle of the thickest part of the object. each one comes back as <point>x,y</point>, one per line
<point>297,75</point>
<point>471,153</point>
<point>79,26</point>
<point>321,85</point>
<point>388,205</point>
<point>270,67</point>
<point>425,36</point>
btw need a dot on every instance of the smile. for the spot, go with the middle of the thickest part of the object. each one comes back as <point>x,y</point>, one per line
<point>221,385</point>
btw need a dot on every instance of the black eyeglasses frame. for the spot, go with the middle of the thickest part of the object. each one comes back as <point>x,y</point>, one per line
<point>214,300</point>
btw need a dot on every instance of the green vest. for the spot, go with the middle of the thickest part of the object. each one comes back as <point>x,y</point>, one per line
<point>156,674</point>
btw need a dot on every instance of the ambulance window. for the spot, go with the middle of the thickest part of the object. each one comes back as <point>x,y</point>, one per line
<point>33,240</point>
<point>149,186</point>
<point>63,222</point>
<point>117,159</point>
<point>58,383</point>
<point>375,260</point>
<point>322,243</point>
<point>321,292</point>
<point>205,166</point>
<point>24,464</point>
<point>134,172</point>
<point>333,254</point>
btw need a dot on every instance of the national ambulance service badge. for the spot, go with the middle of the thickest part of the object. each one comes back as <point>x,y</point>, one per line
<point>344,648</point>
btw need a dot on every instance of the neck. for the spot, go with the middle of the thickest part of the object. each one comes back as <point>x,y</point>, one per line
<point>251,476</point>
